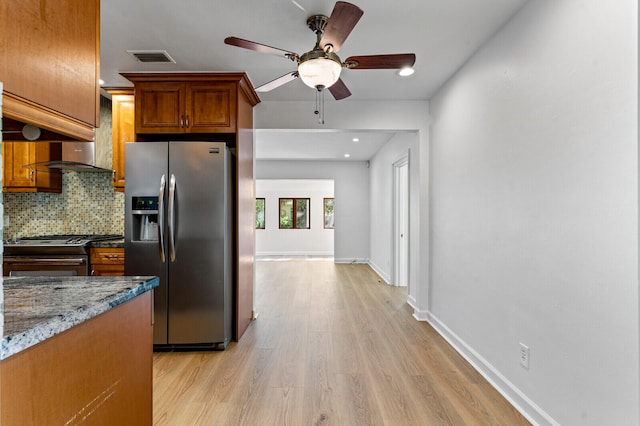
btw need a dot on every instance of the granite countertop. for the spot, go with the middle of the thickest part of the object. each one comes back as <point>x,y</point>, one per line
<point>109,243</point>
<point>37,308</point>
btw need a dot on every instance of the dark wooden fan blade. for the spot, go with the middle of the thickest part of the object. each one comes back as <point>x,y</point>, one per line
<point>344,17</point>
<point>339,90</point>
<point>259,47</point>
<point>277,82</point>
<point>373,62</point>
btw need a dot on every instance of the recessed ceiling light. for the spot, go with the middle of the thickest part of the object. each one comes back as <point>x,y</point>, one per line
<point>404,72</point>
<point>355,140</point>
<point>347,155</point>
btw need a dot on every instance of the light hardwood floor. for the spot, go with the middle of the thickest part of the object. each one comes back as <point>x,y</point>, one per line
<point>333,345</point>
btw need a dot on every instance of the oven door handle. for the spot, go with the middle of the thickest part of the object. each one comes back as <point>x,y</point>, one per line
<point>47,261</point>
<point>163,184</point>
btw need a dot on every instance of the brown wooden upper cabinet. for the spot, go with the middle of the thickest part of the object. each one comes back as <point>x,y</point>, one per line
<point>122,130</point>
<point>22,169</point>
<point>170,107</point>
<point>191,102</point>
<point>49,65</point>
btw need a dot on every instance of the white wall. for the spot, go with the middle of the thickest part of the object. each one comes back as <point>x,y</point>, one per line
<point>351,191</point>
<point>535,211</point>
<point>273,241</point>
<point>381,181</point>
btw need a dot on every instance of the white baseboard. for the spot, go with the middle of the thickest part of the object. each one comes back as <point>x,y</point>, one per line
<point>351,260</point>
<point>517,398</point>
<point>385,277</point>
<point>412,302</point>
<point>293,254</point>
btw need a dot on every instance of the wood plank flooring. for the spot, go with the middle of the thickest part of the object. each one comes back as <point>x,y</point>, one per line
<point>333,345</point>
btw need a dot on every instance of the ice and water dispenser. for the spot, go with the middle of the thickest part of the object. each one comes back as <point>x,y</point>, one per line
<point>144,218</point>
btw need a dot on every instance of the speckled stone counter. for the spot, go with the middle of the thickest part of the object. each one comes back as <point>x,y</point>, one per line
<point>109,244</point>
<point>37,308</point>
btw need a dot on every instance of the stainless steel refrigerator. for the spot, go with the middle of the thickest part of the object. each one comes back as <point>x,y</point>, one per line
<point>178,226</point>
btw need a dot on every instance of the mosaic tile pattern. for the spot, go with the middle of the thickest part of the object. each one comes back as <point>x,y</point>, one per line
<point>87,205</point>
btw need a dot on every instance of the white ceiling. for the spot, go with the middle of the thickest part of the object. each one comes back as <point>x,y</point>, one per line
<point>319,144</point>
<point>442,34</point>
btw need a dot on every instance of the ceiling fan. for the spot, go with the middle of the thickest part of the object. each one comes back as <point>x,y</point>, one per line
<point>320,67</point>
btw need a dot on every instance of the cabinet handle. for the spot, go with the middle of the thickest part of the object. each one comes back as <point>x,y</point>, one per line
<point>187,121</point>
<point>113,176</point>
<point>31,173</point>
<point>182,121</point>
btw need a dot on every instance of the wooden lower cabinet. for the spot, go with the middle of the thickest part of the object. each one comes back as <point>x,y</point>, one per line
<point>22,169</point>
<point>98,372</point>
<point>107,261</point>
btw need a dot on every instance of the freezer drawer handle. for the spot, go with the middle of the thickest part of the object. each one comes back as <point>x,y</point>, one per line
<point>161,218</point>
<point>172,218</point>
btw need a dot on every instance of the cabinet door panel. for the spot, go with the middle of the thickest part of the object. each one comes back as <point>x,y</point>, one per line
<point>15,155</point>
<point>212,108</point>
<point>107,261</point>
<point>50,62</point>
<point>159,108</point>
<point>122,131</point>
<point>17,177</point>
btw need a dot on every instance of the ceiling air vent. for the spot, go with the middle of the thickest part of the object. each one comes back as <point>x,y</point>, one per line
<point>156,56</point>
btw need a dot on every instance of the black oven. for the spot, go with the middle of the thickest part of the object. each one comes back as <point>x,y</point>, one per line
<point>45,265</point>
<point>52,255</point>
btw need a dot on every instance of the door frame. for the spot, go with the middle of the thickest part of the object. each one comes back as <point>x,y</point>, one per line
<point>401,222</point>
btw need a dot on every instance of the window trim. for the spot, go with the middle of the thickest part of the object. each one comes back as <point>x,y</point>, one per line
<point>324,212</point>
<point>294,209</point>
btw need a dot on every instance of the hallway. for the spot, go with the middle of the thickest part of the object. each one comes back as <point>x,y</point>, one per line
<point>333,344</point>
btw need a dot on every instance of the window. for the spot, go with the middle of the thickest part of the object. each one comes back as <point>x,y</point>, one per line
<point>294,213</point>
<point>328,213</point>
<point>259,213</point>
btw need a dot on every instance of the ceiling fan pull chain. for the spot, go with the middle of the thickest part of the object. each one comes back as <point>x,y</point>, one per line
<point>320,106</point>
<point>317,110</point>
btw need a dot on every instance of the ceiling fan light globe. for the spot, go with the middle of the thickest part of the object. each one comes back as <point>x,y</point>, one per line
<point>319,72</point>
<point>405,72</point>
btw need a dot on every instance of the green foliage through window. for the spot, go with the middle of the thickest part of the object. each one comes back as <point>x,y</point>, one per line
<point>328,213</point>
<point>260,213</point>
<point>294,213</point>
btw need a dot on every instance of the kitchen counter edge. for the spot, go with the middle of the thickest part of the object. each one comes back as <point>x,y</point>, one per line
<point>32,301</point>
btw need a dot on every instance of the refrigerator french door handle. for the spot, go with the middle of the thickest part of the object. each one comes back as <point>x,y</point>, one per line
<point>172,218</point>
<point>161,218</point>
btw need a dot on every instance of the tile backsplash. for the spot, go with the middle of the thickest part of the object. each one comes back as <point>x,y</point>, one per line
<point>87,205</point>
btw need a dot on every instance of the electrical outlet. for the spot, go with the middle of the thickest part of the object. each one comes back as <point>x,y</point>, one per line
<point>524,355</point>
<point>5,221</point>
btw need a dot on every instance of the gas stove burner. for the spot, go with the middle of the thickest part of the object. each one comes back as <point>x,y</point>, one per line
<point>55,243</point>
<point>66,238</point>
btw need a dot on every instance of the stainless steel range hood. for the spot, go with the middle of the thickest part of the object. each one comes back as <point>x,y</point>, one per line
<point>81,156</point>
<point>89,156</point>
